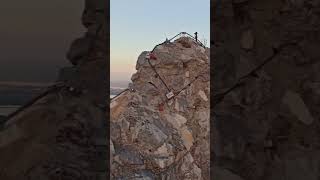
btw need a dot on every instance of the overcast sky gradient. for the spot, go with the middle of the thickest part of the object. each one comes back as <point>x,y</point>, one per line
<point>138,25</point>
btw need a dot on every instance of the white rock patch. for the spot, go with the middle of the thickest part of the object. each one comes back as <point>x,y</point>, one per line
<point>203,95</point>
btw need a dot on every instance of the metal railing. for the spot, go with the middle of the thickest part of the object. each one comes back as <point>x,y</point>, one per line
<point>156,72</point>
<point>154,69</point>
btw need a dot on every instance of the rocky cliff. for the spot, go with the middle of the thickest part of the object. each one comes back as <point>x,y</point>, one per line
<point>160,125</point>
<point>266,87</point>
<point>61,134</point>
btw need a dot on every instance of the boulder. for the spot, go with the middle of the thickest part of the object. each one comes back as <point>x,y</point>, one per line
<point>165,131</point>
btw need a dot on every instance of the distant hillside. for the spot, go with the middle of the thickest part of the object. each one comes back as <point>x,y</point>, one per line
<point>119,84</point>
<point>115,91</point>
<point>117,87</point>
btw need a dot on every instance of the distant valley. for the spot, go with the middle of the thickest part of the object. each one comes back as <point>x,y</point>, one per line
<point>18,94</point>
<point>15,94</point>
<point>117,87</point>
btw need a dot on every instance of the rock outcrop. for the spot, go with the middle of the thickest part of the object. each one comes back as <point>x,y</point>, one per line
<point>62,133</point>
<point>266,57</point>
<point>156,137</point>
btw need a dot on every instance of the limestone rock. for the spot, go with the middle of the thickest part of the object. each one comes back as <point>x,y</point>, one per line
<point>176,120</point>
<point>128,156</point>
<point>203,95</point>
<point>164,132</point>
<point>186,137</point>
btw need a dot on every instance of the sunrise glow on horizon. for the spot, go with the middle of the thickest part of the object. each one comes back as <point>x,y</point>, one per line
<point>137,26</point>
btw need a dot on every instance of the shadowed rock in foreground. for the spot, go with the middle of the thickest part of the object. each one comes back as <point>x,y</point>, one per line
<point>267,128</point>
<point>156,138</point>
<point>62,133</point>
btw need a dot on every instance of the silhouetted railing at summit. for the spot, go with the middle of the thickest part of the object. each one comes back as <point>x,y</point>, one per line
<point>180,34</point>
<point>159,76</point>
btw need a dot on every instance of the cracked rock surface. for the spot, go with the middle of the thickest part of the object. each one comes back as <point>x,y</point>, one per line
<point>156,138</point>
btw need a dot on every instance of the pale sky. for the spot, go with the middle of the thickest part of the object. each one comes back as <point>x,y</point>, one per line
<point>138,25</point>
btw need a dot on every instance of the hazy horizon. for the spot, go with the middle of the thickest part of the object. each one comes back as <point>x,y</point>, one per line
<point>121,84</point>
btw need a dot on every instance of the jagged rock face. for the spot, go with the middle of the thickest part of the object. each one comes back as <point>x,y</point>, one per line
<point>62,135</point>
<point>156,138</point>
<point>267,128</point>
